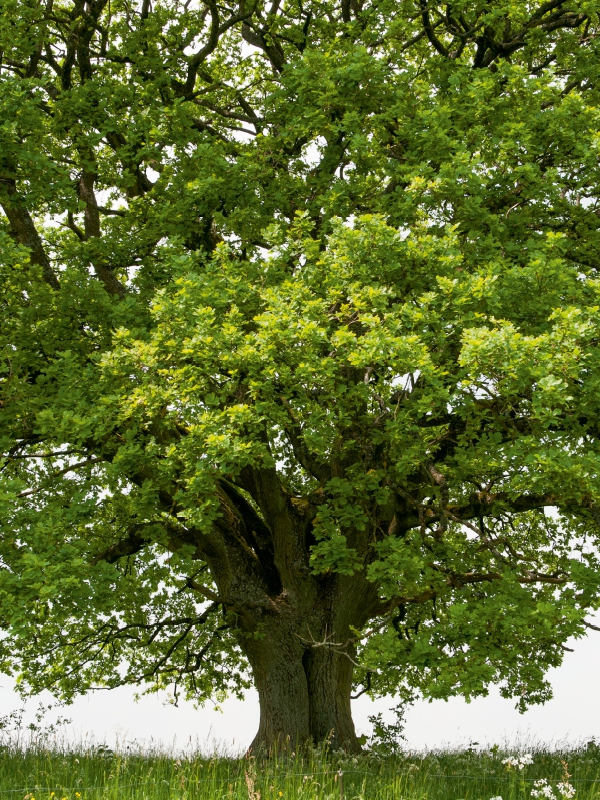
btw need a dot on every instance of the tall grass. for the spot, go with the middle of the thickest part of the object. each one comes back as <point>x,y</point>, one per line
<point>38,771</point>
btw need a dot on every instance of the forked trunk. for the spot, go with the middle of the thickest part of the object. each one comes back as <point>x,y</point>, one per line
<point>302,662</point>
<point>304,692</point>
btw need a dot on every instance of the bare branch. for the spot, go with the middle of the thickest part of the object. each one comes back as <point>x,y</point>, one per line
<point>591,627</point>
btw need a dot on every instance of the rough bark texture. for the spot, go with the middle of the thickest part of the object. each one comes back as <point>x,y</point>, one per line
<point>302,657</point>
<point>304,694</point>
<point>297,629</point>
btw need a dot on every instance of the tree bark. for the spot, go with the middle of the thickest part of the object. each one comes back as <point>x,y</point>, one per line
<point>280,679</point>
<point>302,659</point>
<point>304,693</point>
<point>329,677</point>
<point>296,628</point>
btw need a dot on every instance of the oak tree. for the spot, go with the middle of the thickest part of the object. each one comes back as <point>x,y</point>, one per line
<point>300,365</point>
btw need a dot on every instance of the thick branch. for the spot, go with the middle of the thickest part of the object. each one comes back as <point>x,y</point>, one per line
<point>24,230</point>
<point>216,31</point>
<point>274,51</point>
<point>92,230</point>
<point>195,60</point>
<point>87,194</point>
<point>204,591</point>
<point>429,31</point>
<point>128,546</point>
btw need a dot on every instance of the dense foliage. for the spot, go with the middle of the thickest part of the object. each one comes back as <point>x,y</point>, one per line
<point>299,343</point>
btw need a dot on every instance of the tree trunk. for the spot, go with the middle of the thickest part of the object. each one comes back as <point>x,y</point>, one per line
<point>277,665</point>
<point>304,692</point>
<point>329,679</point>
<point>302,660</point>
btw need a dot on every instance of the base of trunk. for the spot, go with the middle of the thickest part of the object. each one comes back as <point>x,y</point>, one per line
<point>304,694</point>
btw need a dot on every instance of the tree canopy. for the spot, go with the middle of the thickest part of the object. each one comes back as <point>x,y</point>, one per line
<point>300,365</point>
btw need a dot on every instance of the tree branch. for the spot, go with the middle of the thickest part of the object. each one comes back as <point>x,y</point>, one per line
<point>92,225</point>
<point>429,30</point>
<point>125,547</point>
<point>481,504</point>
<point>88,461</point>
<point>458,580</point>
<point>24,230</point>
<point>216,31</point>
<point>591,627</point>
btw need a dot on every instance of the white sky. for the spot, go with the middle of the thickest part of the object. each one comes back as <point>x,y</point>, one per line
<point>573,714</point>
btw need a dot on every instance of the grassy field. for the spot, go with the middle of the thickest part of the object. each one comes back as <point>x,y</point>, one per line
<point>42,773</point>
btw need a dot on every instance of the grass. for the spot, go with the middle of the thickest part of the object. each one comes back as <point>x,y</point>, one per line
<point>37,771</point>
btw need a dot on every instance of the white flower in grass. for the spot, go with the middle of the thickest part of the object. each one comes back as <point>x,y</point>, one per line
<point>543,789</point>
<point>518,762</point>
<point>496,798</point>
<point>566,790</point>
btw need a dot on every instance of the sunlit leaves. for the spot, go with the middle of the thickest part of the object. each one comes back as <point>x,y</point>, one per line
<point>357,253</point>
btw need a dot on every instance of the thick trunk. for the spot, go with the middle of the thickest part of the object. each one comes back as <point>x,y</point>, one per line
<point>304,692</point>
<point>329,679</point>
<point>295,628</point>
<point>279,678</point>
<point>302,661</point>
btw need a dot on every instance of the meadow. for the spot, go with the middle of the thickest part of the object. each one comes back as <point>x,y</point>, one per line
<point>41,770</point>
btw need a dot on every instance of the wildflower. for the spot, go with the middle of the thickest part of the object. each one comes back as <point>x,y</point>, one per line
<point>543,789</point>
<point>566,790</point>
<point>77,794</point>
<point>280,794</point>
<point>496,798</point>
<point>518,762</point>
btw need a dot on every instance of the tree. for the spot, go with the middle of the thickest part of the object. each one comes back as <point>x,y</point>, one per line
<point>300,348</point>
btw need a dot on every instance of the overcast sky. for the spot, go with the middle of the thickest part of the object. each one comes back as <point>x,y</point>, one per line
<point>573,714</point>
